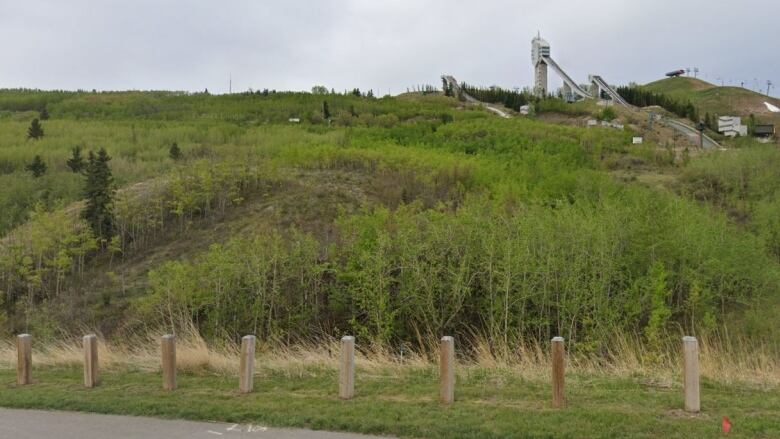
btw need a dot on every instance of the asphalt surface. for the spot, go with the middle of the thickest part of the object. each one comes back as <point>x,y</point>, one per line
<point>37,424</point>
<point>692,134</point>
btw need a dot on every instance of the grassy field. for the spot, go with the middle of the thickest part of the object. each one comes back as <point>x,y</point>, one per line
<point>633,394</point>
<point>402,401</point>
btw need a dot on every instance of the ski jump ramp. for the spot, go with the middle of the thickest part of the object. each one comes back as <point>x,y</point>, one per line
<point>568,83</point>
<point>541,59</point>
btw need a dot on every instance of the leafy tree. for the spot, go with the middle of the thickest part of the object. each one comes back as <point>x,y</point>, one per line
<point>608,114</point>
<point>319,90</point>
<point>76,160</point>
<point>325,110</point>
<point>44,114</point>
<point>37,167</point>
<point>35,131</point>
<point>175,151</point>
<point>99,192</point>
<point>660,295</point>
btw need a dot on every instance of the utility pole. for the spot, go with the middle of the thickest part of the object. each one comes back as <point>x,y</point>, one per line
<point>695,72</point>
<point>768,86</point>
<point>230,87</point>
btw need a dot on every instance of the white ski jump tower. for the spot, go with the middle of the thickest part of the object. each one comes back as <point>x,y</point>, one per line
<point>541,59</point>
<point>540,49</point>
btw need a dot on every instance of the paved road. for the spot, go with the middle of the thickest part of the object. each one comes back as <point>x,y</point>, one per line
<point>36,424</point>
<point>691,133</point>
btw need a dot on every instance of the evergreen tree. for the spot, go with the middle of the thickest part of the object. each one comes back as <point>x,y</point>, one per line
<point>352,111</point>
<point>356,92</point>
<point>76,161</point>
<point>44,114</point>
<point>37,167</point>
<point>35,131</point>
<point>370,93</point>
<point>751,125</point>
<point>175,152</point>
<point>325,110</point>
<point>99,192</point>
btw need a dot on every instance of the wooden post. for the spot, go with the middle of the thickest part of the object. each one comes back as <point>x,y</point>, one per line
<point>90,361</point>
<point>24,359</point>
<point>691,374</point>
<point>447,369</point>
<point>246,370</point>
<point>168,344</point>
<point>558,372</point>
<point>347,372</point>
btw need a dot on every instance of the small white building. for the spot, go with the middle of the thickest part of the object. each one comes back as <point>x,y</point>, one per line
<point>731,126</point>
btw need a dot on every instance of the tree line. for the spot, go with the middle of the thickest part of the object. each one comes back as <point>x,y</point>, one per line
<point>497,95</point>
<point>641,97</point>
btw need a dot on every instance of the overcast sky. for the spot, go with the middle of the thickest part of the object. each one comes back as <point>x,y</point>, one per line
<point>385,45</point>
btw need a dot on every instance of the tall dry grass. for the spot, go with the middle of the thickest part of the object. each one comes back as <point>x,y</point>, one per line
<point>720,361</point>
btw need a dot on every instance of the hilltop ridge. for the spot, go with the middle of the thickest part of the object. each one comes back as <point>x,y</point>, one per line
<point>715,99</point>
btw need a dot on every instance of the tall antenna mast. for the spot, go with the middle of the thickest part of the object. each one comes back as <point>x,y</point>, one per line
<point>230,87</point>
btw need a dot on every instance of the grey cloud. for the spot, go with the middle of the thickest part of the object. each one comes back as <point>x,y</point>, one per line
<point>385,46</point>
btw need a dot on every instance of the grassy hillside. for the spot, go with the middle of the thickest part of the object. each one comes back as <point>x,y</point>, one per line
<point>399,220</point>
<point>710,98</point>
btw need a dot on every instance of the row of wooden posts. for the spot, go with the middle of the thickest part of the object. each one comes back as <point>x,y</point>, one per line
<point>347,367</point>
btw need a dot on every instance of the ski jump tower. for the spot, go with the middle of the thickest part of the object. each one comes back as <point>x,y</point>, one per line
<point>540,49</point>
<point>541,59</point>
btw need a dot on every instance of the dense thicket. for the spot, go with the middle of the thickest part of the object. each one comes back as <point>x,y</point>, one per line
<point>527,272</point>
